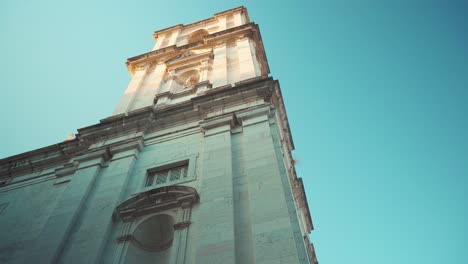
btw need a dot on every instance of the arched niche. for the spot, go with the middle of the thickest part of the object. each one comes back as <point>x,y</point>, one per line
<point>154,225</point>
<point>186,75</point>
<point>197,35</point>
<point>189,78</point>
<point>184,79</point>
<point>150,241</point>
<point>155,233</point>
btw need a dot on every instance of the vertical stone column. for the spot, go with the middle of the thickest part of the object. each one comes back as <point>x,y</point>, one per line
<point>204,83</point>
<point>242,212</point>
<point>159,40</point>
<point>246,59</point>
<point>120,247</point>
<point>163,96</point>
<point>219,72</point>
<point>288,193</point>
<point>272,230</point>
<point>181,229</point>
<point>158,77</point>
<point>222,22</point>
<point>150,86</point>
<point>238,19</point>
<point>56,232</point>
<point>174,36</point>
<point>204,68</point>
<point>128,97</point>
<point>215,243</point>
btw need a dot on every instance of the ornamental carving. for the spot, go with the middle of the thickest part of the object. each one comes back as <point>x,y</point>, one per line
<point>156,200</point>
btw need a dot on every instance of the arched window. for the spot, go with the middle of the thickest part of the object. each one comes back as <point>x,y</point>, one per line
<point>197,35</point>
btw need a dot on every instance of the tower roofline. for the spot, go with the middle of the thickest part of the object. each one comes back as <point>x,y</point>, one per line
<point>215,16</point>
<point>249,29</point>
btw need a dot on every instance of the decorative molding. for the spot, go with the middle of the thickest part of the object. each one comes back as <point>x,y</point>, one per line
<point>136,242</point>
<point>142,66</point>
<point>217,124</point>
<point>89,142</point>
<point>58,182</point>
<point>36,160</point>
<point>67,169</point>
<point>260,114</point>
<point>179,57</point>
<point>249,30</point>
<point>182,225</point>
<point>301,201</point>
<point>102,155</point>
<point>156,200</point>
<point>204,21</point>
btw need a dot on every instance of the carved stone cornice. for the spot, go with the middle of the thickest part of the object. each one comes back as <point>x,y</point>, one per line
<point>67,169</point>
<point>249,30</point>
<point>277,100</point>
<point>38,159</point>
<point>156,34</point>
<point>132,239</point>
<point>217,122</point>
<point>181,225</point>
<point>299,195</point>
<point>90,142</point>
<point>185,92</point>
<point>122,124</point>
<point>260,111</point>
<point>255,87</point>
<point>156,200</point>
<point>189,59</point>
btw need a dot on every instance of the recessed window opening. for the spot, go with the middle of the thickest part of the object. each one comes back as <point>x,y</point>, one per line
<point>167,175</point>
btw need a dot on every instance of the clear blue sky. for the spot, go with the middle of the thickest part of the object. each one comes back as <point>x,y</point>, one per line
<point>376,93</point>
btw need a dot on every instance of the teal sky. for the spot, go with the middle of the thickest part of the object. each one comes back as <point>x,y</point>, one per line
<point>376,93</point>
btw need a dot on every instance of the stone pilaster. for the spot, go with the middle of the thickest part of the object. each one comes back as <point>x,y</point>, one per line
<point>56,232</point>
<point>273,233</point>
<point>216,241</point>
<point>219,73</point>
<point>131,92</point>
<point>93,232</point>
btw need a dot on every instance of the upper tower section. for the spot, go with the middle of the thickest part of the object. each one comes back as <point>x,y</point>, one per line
<point>188,60</point>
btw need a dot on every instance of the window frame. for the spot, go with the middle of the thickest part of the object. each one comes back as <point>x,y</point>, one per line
<point>190,161</point>
<point>152,177</point>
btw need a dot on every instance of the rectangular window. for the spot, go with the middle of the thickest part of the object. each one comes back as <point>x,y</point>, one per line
<point>164,176</point>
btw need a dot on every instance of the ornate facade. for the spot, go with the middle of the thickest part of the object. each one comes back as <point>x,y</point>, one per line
<point>194,165</point>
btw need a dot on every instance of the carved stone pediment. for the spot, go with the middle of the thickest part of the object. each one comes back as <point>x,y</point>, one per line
<point>180,56</point>
<point>156,200</point>
<point>189,59</point>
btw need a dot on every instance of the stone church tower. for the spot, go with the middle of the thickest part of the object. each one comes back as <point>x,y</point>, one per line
<point>193,166</point>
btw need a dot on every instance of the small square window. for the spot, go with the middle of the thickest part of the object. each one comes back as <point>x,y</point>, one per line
<point>167,175</point>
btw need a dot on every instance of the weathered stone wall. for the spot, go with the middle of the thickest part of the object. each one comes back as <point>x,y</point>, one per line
<point>246,212</point>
